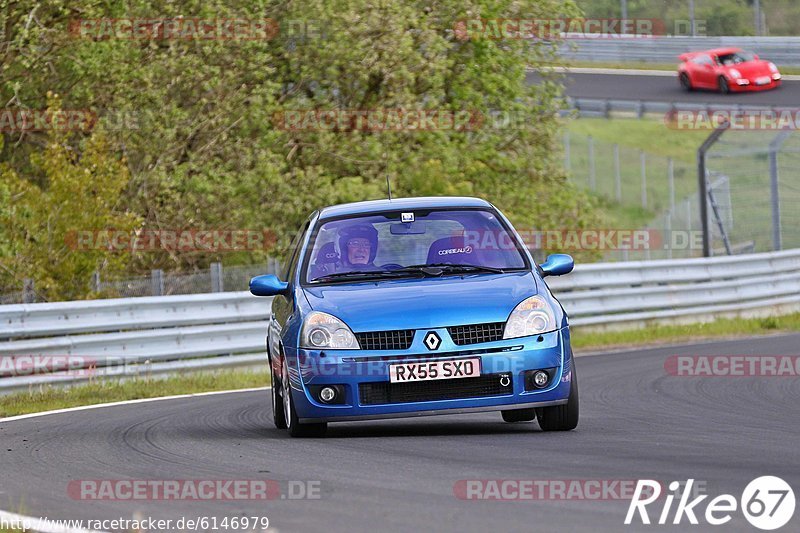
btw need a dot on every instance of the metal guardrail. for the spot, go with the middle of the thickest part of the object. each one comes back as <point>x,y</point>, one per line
<point>605,107</point>
<point>82,340</point>
<point>666,49</point>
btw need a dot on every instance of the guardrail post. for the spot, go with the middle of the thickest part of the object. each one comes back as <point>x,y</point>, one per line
<point>640,110</point>
<point>216,278</point>
<point>592,176</point>
<point>28,291</point>
<point>157,282</point>
<point>96,281</point>
<point>668,240</point>
<point>643,161</point>
<point>617,175</point>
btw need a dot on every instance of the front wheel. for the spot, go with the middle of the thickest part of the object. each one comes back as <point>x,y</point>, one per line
<point>723,85</point>
<point>296,429</point>
<point>561,417</point>
<point>278,415</point>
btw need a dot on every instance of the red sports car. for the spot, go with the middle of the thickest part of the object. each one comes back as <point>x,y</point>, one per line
<point>726,70</point>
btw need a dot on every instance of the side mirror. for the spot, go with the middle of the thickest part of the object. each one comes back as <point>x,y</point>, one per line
<point>267,285</point>
<point>557,265</point>
<point>755,57</point>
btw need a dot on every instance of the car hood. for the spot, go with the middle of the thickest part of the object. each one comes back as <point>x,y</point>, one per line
<point>752,69</point>
<point>423,303</point>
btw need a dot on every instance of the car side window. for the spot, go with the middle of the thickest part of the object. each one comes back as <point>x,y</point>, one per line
<point>703,60</point>
<point>295,251</point>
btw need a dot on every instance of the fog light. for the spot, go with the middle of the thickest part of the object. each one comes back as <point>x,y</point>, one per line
<point>540,378</point>
<point>327,394</point>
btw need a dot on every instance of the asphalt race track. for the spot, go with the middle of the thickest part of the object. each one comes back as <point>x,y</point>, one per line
<point>636,422</point>
<point>667,89</point>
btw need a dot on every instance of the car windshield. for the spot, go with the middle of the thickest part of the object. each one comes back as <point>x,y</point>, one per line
<point>736,58</point>
<point>402,244</point>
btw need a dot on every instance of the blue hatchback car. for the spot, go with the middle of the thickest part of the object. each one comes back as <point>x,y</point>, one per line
<point>412,307</point>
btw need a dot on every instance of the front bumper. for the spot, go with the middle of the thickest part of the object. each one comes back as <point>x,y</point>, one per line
<point>752,86</point>
<point>350,368</point>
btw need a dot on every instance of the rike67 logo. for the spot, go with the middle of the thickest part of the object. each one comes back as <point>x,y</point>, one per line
<point>767,503</point>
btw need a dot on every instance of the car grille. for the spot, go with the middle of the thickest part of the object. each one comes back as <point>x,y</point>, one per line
<point>400,339</point>
<point>476,333</point>
<point>384,392</point>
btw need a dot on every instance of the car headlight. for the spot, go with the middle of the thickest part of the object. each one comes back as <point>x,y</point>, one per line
<point>321,330</point>
<point>530,317</point>
<point>773,67</point>
<point>735,73</point>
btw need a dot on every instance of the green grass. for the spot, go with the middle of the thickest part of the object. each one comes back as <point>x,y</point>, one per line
<point>582,340</point>
<point>731,156</point>
<point>633,135</point>
<point>735,327</point>
<point>50,398</point>
<point>650,135</point>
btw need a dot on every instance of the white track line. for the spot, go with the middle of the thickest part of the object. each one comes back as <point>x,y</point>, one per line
<point>127,402</point>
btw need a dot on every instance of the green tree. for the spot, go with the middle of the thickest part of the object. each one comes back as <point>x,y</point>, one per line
<point>195,119</point>
<point>42,224</point>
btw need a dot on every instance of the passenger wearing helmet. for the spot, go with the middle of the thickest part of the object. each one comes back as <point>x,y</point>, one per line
<point>358,246</point>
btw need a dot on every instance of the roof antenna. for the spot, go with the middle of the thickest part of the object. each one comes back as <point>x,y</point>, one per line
<point>386,166</point>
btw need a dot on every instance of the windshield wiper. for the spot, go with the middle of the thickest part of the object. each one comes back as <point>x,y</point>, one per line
<point>365,275</point>
<point>437,269</point>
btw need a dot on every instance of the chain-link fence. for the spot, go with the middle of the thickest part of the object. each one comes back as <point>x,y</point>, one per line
<point>763,168</point>
<point>640,191</point>
<point>753,199</point>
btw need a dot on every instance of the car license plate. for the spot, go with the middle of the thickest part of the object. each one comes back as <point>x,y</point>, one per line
<point>763,80</point>
<point>454,368</point>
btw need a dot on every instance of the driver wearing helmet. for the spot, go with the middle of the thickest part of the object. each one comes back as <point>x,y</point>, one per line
<point>358,245</point>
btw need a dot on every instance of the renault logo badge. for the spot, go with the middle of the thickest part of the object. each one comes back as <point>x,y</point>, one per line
<point>432,340</point>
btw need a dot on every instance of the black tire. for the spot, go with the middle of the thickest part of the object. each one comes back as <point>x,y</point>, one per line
<point>562,417</point>
<point>723,85</point>
<point>296,429</point>
<point>278,415</point>
<point>519,415</point>
<point>686,83</point>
